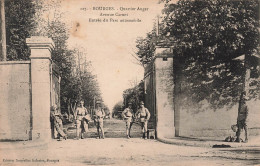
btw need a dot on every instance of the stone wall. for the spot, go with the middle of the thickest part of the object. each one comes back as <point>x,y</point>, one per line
<point>15,100</point>
<point>28,89</point>
<point>217,124</point>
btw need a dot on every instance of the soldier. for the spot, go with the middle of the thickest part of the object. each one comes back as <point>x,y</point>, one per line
<point>127,115</point>
<point>144,115</point>
<point>242,117</point>
<point>56,118</point>
<point>81,122</point>
<point>99,114</point>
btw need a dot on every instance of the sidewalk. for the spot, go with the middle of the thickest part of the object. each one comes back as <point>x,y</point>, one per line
<point>253,142</point>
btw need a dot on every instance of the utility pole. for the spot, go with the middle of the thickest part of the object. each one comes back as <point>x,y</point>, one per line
<point>3,31</point>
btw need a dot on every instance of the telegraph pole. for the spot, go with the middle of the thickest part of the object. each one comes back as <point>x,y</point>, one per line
<point>3,31</point>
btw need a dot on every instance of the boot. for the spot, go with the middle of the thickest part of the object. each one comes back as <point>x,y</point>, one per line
<point>246,134</point>
<point>143,135</point>
<point>238,135</point>
<point>82,136</point>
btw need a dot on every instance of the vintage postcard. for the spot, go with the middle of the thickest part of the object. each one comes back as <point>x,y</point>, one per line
<point>129,82</point>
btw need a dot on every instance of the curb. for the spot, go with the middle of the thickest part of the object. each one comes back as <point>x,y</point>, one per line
<point>208,144</point>
<point>181,142</point>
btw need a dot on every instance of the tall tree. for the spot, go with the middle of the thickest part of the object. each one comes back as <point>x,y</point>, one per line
<point>77,81</point>
<point>146,46</point>
<point>206,36</point>
<point>2,31</point>
<point>19,23</point>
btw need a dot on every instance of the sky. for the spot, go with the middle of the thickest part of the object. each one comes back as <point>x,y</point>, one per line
<point>109,45</point>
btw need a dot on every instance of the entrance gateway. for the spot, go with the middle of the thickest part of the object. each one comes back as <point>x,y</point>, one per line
<point>28,90</point>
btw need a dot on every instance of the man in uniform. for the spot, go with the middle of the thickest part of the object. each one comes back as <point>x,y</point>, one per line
<point>144,115</point>
<point>56,118</point>
<point>99,114</point>
<point>127,115</point>
<point>81,120</point>
<point>242,117</point>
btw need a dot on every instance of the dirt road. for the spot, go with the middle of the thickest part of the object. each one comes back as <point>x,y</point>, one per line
<point>122,151</point>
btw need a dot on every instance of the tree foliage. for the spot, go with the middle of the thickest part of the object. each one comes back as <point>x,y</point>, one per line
<point>27,18</point>
<point>205,37</point>
<point>146,47</point>
<point>134,95</point>
<point>19,23</point>
<point>117,109</point>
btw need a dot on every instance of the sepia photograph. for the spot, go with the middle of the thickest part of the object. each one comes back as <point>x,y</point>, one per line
<point>129,82</point>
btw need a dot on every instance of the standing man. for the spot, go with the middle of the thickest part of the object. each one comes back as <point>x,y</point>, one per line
<point>242,117</point>
<point>144,115</point>
<point>81,123</point>
<point>127,115</point>
<point>99,114</point>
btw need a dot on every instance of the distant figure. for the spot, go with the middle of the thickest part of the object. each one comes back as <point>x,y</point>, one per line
<point>127,115</point>
<point>99,115</point>
<point>81,120</point>
<point>242,117</point>
<point>56,118</point>
<point>144,115</point>
<point>233,138</point>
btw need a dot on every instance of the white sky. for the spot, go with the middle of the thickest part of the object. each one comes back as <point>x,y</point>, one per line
<point>109,45</point>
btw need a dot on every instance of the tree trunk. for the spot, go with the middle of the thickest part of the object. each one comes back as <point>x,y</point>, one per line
<point>3,31</point>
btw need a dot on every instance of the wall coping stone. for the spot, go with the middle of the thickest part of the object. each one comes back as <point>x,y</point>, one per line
<point>14,62</point>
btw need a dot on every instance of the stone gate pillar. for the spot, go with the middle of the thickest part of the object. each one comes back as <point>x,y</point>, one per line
<point>164,87</point>
<point>41,48</point>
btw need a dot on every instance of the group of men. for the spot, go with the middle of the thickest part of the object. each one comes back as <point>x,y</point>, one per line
<point>142,115</point>
<point>82,118</point>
